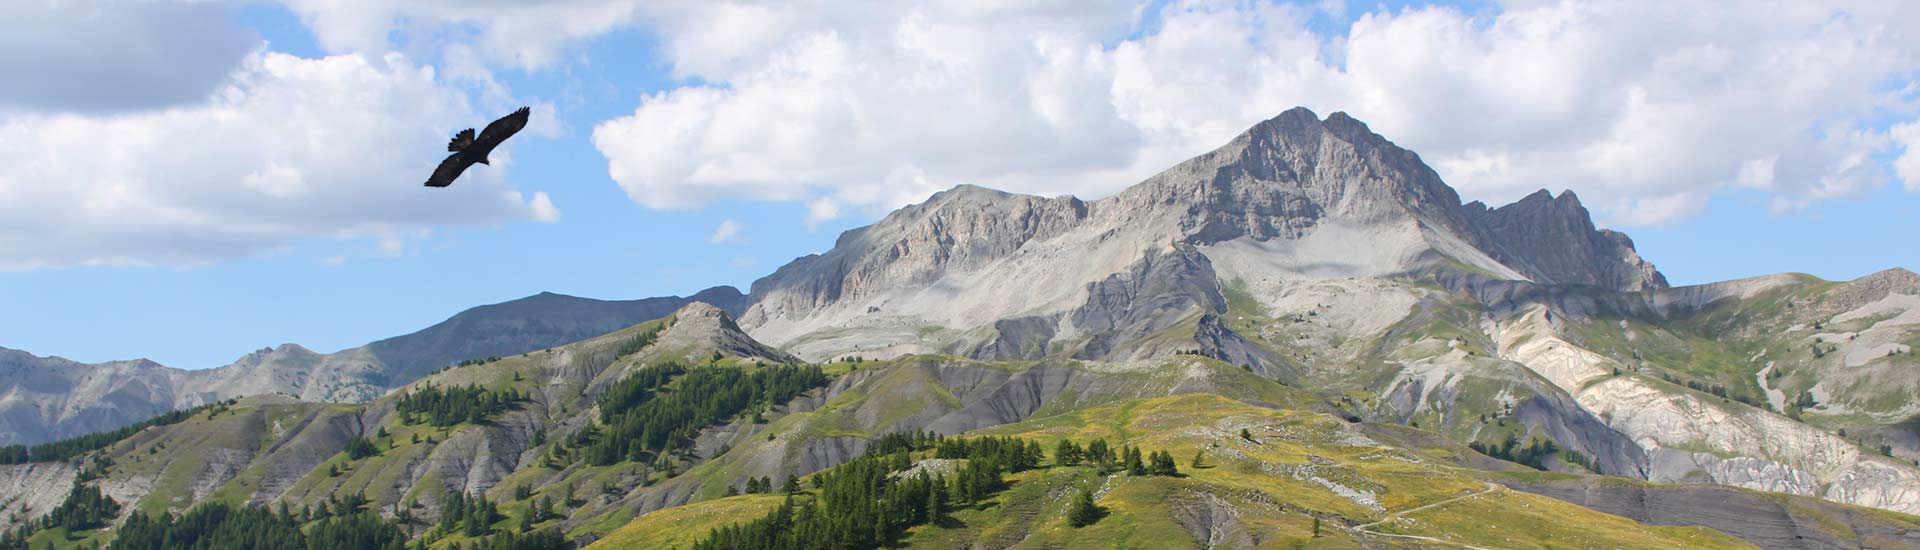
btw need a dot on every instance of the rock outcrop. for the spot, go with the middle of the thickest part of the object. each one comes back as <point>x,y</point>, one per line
<point>1553,239</point>
<point>700,329</point>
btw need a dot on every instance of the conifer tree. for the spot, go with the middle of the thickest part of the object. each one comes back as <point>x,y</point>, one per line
<point>1066,453</point>
<point>1083,512</point>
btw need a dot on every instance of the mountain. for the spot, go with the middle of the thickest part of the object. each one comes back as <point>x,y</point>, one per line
<point>1274,461</point>
<point>1316,252</point>
<point>1336,349</point>
<point>47,398</point>
<point>998,275</point>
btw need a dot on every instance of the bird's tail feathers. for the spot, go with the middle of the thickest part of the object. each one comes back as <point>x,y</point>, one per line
<point>460,141</point>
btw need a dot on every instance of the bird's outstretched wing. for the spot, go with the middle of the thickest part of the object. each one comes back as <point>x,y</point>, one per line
<point>460,141</point>
<point>449,170</point>
<point>500,130</point>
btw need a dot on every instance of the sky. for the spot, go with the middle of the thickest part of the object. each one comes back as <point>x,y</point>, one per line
<point>189,181</point>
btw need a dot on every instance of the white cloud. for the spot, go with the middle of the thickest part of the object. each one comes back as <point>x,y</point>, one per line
<point>1908,165</point>
<point>98,57</point>
<point>541,208</point>
<point>820,210</point>
<point>518,32</point>
<point>728,231</point>
<point>884,105</point>
<point>1644,108</point>
<point>288,149</point>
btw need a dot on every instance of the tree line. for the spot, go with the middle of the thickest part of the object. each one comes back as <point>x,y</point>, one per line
<point>1534,454</point>
<point>335,524</point>
<point>79,445</point>
<point>641,416</point>
<point>869,503</point>
<point>451,406</point>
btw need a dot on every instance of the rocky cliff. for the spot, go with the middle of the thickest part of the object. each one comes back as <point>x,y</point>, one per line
<point>994,274</point>
<point>1554,239</point>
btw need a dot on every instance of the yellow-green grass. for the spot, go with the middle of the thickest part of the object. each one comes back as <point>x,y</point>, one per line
<point>1279,507</point>
<point>1513,519</point>
<point>681,526</point>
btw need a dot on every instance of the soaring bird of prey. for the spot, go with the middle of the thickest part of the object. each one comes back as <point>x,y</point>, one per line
<point>468,149</point>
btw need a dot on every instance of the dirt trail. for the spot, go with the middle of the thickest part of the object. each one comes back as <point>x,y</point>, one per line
<point>1366,528</point>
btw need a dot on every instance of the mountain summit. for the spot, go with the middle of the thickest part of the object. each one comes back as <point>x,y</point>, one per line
<point>1294,199</point>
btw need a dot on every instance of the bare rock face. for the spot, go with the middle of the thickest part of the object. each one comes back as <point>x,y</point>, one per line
<point>998,275</point>
<point>33,489</point>
<point>961,229</point>
<point>1553,239</point>
<point>47,398</point>
<point>700,329</point>
<point>1284,175</point>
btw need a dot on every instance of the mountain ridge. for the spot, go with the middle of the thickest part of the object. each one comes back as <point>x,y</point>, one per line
<point>1294,180</point>
<point>49,398</point>
<point>1308,309</point>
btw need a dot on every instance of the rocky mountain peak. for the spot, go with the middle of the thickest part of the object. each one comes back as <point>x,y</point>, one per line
<point>957,230</point>
<point>1553,240</point>
<point>1286,175</point>
<point>706,316</point>
<point>271,353</point>
<point>701,329</point>
<point>1330,195</point>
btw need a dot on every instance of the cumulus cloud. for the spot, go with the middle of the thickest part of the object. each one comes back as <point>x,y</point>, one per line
<point>517,32</point>
<point>98,57</point>
<point>728,231</point>
<point>1645,109</point>
<point>820,210</point>
<point>287,148</point>
<point>1908,164</point>
<point>880,105</point>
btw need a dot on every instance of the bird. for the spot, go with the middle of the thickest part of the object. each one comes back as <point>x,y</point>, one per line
<point>468,149</point>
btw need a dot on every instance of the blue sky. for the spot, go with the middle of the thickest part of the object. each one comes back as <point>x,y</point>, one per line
<point>772,148</point>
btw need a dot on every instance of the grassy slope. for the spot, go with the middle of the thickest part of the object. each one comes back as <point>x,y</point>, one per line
<point>1253,482</point>
<point>1253,479</point>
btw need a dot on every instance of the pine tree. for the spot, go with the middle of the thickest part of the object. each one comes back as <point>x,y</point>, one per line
<point>1100,455</point>
<point>1135,466</point>
<point>1066,453</point>
<point>1083,512</point>
<point>1163,464</point>
<point>1199,455</point>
